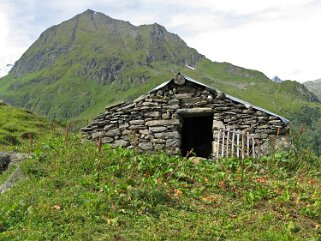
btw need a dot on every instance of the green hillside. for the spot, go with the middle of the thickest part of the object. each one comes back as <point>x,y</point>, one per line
<point>78,67</point>
<point>73,192</point>
<point>17,124</point>
<point>314,86</point>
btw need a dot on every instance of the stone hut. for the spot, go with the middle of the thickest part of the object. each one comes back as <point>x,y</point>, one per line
<point>182,116</point>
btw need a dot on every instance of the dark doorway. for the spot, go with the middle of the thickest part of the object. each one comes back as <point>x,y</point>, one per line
<point>197,135</point>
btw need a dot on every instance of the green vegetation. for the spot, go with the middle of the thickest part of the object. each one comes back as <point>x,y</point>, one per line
<point>307,123</point>
<point>4,176</point>
<point>18,125</point>
<point>73,191</point>
<point>314,87</point>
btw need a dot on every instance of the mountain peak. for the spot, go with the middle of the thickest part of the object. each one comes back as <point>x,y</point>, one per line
<point>276,79</point>
<point>88,11</point>
<point>95,40</point>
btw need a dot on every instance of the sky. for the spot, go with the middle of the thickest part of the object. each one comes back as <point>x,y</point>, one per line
<point>277,37</point>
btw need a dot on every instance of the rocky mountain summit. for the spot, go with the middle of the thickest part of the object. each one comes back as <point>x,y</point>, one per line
<point>103,47</point>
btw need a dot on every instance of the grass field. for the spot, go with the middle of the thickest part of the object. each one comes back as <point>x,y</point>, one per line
<point>18,125</point>
<point>73,191</point>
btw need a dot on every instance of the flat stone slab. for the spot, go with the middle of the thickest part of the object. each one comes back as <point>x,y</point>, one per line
<point>195,112</point>
<point>174,122</point>
<point>157,129</point>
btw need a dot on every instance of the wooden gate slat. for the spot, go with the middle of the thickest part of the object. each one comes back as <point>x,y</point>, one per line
<point>227,143</point>
<point>233,140</point>
<point>223,141</point>
<point>218,144</point>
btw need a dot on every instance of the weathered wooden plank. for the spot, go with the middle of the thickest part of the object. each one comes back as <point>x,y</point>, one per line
<point>227,143</point>
<point>253,147</point>
<point>233,143</point>
<point>243,151</point>
<point>218,144</point>
<point>223,142</point>
<point>238,145</point>
<point>247,144</point>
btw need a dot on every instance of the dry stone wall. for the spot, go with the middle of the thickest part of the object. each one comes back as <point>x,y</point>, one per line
<point>154,122</point>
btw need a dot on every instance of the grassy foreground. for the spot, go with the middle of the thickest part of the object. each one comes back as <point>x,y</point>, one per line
<point>17,125</point>
<point>74,192</point>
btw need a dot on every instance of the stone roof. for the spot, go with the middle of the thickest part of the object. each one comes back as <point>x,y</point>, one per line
<point>216,91</point>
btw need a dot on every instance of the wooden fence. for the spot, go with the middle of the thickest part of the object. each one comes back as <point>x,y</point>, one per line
<point>232,143</point>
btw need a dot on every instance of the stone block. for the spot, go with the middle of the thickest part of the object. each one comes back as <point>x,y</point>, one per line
<point>159,147</point>
<point>97,134</point>
<point>210,99</point>
<point>119,143</point>
<point>157,129</point>
<point>183,96</point>
<point>126,138</point>
<point>123,126</point>
<point>148,104</point>
<point>173,102</point>
<point>191,101</point>
<point>159,141</point>
<point>167,135</point>
<point>220,96</point>
<point>275,122</point>
<point>137,122</point>
<point>145,146</point>
<point>171,107</point>
<point>113,132</point>
<point>166,115</point>
<point>200,103</point>
<point>137,127</point>
<point>162,122</point>
<point>263,127</point>
<point>125,132</point>
<point>195,112</point>
<point>154,114</point>
<point>107,140</point>
<point>172,143</point>
<point>222,108</point>
<point>101,123</point>
<point>144,132</point>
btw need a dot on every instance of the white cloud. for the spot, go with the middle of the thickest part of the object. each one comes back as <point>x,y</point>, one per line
<point>12,42</point>
<point>4,36</point>
<point>283,42</point>
<point>245,6</point>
